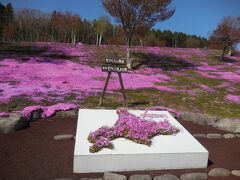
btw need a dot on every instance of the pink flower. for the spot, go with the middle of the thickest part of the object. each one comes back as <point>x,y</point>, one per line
<point>233,98</point>
<point>4,114</point>
<point>47,111</point>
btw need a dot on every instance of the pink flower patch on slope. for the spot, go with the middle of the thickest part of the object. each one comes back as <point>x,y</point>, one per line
<point>230,76</point>
<point>236,58</point>
<point>206,88</point>
<point>206,68</point>
<point>233,98</point>
<point>166,89</point>
<point>26,112</point>
<point>48,111</point>
<point>4,114</point>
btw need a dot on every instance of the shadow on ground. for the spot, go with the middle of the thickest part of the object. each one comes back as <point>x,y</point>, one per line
<point>167,63</point>
<point>226,60</point>
<point>138,103</point>
<point>25,53</point>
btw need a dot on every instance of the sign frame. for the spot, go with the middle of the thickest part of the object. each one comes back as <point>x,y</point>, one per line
<point>114,65</point>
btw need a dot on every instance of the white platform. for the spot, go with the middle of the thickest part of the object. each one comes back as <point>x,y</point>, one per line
<point>178,151</point>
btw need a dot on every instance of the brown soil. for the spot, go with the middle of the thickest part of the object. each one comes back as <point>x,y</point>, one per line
<point>33,154</point>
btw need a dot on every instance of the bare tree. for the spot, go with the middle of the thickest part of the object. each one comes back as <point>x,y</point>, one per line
<point>193,42</point>
<point>141,32</point>
<point>33,25</point>
<point>134,13</point>
<point>227,34</point>
<point>100,28</point>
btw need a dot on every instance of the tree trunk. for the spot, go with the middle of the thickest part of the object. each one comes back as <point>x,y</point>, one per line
<point>74,38</point>
<point>223,52</point>
<point>97,39</point>
<point>175,43</point>
<point>37,38</point>
<point>113,33</point>
<point>141,42</point>
<point>52,35</point>
<point>129,61</point>
<point>100,39</point>
<point>26,35</point>
<point>4,35</point>
<point>230,51</point>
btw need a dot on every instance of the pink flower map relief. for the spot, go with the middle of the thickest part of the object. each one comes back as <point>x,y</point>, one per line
<point>130,127</point>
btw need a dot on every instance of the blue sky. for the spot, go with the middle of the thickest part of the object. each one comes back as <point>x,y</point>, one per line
<point>198,17</point>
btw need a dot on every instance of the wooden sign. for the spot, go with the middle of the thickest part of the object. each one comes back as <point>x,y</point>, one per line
<point>111,68</point>
<point>116,61</point>
<point>117,66</point>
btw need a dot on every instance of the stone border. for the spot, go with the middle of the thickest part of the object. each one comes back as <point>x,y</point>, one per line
<point>231,125</point>
<point>226,124</point>
<point>217,136</point>
<point>16,121</point>
<point>215,172</point>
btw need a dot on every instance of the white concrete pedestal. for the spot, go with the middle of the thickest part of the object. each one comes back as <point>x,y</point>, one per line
<point>178,151</point>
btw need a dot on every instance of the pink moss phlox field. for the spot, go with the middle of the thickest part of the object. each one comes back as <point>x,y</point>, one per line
<point>40,79</point>
<point>206,67</point>
<point>225,85</point>
<point>236,58</point>
<point>166,89</point>
<point>233,98</point>
<point>226,71</point>
<point>47,111</point>
<point>130,127</point>
<point>4,114</point>
<point>232,89</point>
<point>62,72</point>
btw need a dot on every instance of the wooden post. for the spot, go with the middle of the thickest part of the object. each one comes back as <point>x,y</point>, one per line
<point>117,66</point>
<point>104,89</point>
<point>122,89</point>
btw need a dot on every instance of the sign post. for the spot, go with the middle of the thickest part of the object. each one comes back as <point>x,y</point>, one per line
<point>117,66</point>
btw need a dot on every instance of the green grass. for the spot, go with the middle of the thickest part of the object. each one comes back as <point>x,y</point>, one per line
<point>70,97</point>
<point>16,103</point>
<point>212,104</point>
<point>208,81</point>
<point>109,101</point>
<point>193,78</point>
<point>195,59</point>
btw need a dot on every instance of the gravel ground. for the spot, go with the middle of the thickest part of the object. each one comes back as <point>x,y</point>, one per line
<point>34,154</point>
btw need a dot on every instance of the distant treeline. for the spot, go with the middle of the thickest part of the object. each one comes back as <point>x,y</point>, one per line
<point>30,25</point>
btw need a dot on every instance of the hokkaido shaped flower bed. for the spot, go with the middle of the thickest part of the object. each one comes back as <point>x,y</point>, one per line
<point>130,127</point>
